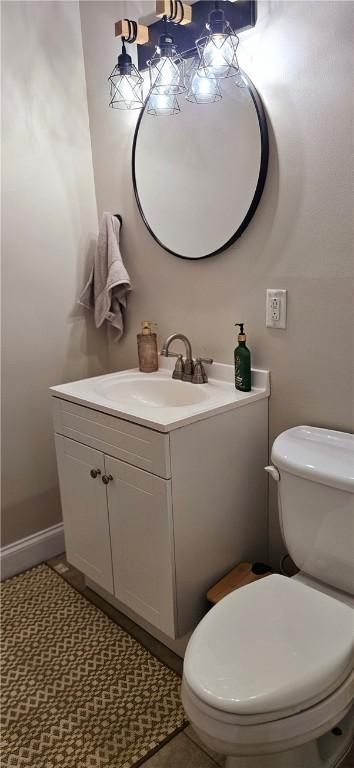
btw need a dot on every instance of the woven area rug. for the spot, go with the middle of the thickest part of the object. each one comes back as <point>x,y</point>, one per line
<point>77,691</point>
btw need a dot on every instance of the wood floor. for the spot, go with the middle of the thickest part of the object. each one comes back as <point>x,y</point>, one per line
<point>185,749</point>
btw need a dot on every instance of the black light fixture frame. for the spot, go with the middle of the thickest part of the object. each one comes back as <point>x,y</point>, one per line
<point>126,68</point>
<point>263,129</point>
<point>241,15</point>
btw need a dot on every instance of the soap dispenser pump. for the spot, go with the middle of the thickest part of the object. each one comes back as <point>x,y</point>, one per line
<point>147,348</point>
<point>242,362</point>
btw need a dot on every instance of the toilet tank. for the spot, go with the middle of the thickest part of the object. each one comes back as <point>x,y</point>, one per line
<point>316,502</point>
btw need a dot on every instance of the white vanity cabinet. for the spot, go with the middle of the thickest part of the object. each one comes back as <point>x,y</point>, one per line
<point>154,517</point>
<point>119,533</point>
<point>117,517</point>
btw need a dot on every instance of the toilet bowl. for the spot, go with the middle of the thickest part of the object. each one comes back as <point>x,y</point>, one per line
<point>268,675</point>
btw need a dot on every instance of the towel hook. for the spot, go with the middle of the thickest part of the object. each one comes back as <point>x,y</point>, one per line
<point>118,216</point>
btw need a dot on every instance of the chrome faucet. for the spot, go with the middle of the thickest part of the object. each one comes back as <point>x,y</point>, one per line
<point>186,370</point>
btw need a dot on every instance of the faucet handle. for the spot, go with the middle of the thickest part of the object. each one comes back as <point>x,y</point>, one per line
<point>179,368</point>
<point>206,360</point>
<point>200,375</point>
<point>168,354</point>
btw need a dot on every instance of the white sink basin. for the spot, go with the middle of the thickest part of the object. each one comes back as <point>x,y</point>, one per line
<point>156,392</point>
<point>157,401</point>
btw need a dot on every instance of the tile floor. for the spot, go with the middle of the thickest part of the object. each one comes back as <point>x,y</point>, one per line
<point>185,749</point>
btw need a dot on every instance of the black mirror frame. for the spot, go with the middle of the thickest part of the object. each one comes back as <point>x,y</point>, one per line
<point>263,129</point>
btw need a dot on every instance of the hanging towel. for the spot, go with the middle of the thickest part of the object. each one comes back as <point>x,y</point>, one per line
<point>109,283</point>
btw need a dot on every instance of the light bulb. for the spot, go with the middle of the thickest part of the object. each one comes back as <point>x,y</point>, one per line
<point>218,54</point>
<point>203,89</point>
<point>126,91</point>
<point>162,104</point>
<point>166,76</point>
<point>202,84</point>
<point>169,75</point>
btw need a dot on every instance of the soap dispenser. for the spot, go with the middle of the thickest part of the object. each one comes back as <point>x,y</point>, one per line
<point>242,362</point>
<point>147,348</point>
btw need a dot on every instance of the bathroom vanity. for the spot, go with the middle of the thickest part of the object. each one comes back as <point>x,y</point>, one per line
<point>162,486</point>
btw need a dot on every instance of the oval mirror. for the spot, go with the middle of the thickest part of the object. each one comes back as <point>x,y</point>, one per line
<point>199,175</point>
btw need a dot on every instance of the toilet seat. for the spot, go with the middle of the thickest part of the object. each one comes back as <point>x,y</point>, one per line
<point>250,735</point>
<point>297,641</point>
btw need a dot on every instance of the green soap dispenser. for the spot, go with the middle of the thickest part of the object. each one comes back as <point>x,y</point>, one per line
<point>242,362</point>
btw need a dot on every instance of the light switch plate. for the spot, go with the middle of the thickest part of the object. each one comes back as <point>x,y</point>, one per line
<point>276,308</point>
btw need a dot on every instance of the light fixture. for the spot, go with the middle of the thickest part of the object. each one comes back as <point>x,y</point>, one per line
<point>126,82</point>
<point>217,49</point>
<point>166,68</point>
<point>216,57</point>
<point>202,89</point>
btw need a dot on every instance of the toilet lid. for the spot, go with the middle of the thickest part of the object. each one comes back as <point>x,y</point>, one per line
<point>271,645</point>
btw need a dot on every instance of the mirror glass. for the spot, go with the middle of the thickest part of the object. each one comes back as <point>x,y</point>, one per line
<point>198,175</point>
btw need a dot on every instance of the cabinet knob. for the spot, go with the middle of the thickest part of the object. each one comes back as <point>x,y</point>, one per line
<point>95,472</point>
<point>106,479</point>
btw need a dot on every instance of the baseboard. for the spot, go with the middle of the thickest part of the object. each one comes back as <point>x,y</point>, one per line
<point>25,553</point>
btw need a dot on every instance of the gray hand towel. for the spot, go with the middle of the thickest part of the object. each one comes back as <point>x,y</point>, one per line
<point>109,283</point>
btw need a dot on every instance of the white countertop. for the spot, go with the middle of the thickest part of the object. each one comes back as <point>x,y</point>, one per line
<point>159,402</point>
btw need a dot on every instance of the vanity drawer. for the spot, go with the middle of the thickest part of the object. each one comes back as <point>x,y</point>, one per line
<point>139,446</point>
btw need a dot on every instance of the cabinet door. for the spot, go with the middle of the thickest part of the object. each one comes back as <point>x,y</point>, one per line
<point>140,516</point>
<point>85,513</point>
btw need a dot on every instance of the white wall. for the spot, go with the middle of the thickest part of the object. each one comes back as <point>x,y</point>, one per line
<point>49,220</point>
<point>300,57</point>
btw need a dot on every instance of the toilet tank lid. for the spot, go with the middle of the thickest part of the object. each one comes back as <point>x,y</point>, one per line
<point>322,455</point>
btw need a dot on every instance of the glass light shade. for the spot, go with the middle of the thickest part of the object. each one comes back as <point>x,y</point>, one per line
<point>217,53</point>
<point>162,104</point>
<point>202,89</point>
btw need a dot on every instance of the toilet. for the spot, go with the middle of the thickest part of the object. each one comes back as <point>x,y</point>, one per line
<point>268,677</point>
